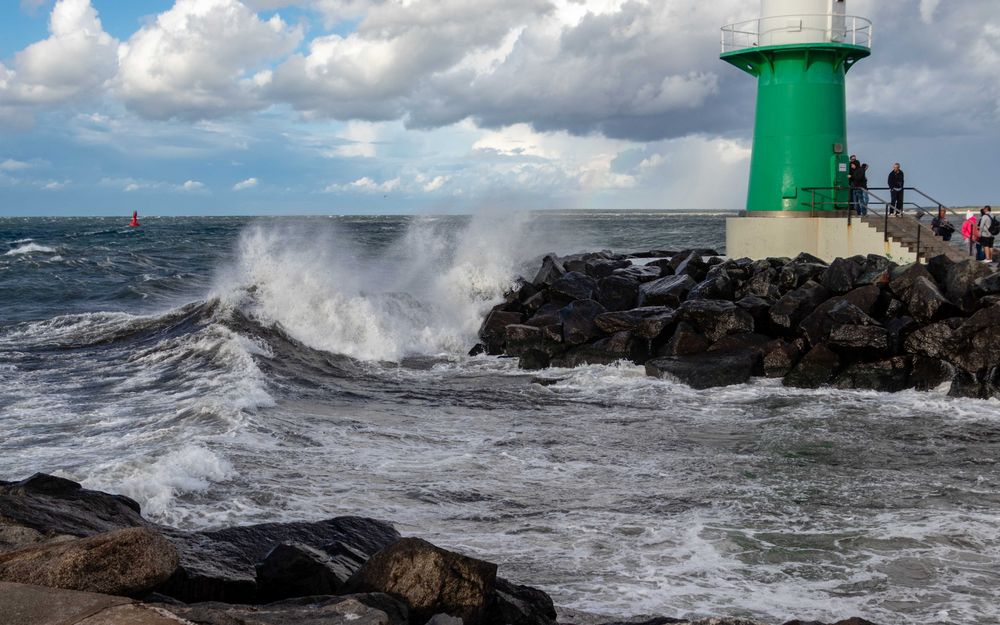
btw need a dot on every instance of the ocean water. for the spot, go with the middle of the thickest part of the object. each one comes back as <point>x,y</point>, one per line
<point>238,370</point>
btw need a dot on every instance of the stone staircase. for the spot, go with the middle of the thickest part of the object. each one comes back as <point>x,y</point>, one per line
<point>903,230</point>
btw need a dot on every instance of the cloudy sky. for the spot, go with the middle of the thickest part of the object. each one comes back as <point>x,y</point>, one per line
<point>398,106</point>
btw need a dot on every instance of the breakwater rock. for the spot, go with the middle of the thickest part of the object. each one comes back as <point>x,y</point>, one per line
<point>72,556</point>
<point>863,322</point>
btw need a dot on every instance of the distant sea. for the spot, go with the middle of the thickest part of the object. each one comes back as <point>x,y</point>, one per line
<point>238,370</point>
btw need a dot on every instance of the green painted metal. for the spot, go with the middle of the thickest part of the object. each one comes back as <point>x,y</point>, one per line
<point>801,116</point>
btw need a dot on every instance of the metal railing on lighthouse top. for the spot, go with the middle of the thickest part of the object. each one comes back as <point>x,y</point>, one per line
<point>802,28</point>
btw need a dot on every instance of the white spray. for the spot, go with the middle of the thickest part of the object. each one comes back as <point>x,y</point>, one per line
<point>425,294</point>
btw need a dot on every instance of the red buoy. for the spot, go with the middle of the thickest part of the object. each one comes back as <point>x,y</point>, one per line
<point>135,220</point>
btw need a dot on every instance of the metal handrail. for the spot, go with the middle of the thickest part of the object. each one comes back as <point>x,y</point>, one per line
<point>747,34</point>
<point>920,210</point>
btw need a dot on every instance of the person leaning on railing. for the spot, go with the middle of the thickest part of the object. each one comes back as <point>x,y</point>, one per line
<point>941,226</point>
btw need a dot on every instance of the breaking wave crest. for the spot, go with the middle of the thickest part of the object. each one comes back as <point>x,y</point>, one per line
<point>425,295</point>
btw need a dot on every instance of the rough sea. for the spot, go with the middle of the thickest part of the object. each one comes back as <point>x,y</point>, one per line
<point>237,370</point>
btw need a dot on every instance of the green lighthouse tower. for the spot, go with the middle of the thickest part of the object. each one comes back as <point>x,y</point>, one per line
<point>800,52</point>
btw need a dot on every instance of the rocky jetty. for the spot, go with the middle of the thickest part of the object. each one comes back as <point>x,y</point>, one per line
<point>863,322</point>
<point>72,556</point>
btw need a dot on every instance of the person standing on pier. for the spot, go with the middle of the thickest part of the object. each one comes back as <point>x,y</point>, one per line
<point>896,184</point>
<point>986,232</point>
<point>864,188</point>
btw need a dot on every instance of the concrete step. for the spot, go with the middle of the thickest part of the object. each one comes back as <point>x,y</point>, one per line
<point>903,230</point>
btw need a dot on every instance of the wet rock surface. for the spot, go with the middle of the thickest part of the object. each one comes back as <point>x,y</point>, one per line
<point>367,575</point>
<point>861,322</point>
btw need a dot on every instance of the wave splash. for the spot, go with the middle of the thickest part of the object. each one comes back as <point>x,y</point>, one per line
<point>29,248</point>
<point>424,295</point>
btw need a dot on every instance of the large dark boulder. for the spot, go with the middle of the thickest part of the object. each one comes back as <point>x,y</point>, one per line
<point>807,258</point>
<point>960,283</point>
<point>669,291</point>
<point>928,374</point>
<point>297,570</point>
<point>219,565</point>
<point>799,271</point>
<point>531,305</point>
<point>877,271</point>
<point>518,338</point>
<point>747,341</point>
<point>522,338</point>
<point>550,271</point>
<point>816,368</point>
<point>430,580</point>
<point>763,283</point>
<point>786,314</point>
<point>618,346</point>
<point>130,561</point>
<point>617,292</point>
<point>839,277</point>
<point>758,308</point>
<point>903,279</point>
<point>601,267</point>
<point>491,333</point>
<point>534,359</point>
<point>859,337</point>
<point>53,506</point>
<point>924,300</point>
<point>868,299</point>
<point>899,330</point>
<point>987,284</point>
<point>572,286</point>
<point>547,314</point>
<point>664,264</point>
<point>817,325</point>
<point>781,356</point>
<point>684,341</point>
<point>708,369</point>
<point>578,321</point>
<point>975,345</point>
<point>689,263</point>
<point>714,287</point>
<point>514,604</point>
<point>888,375</point>
<point>640,273</point>
<point>934,340</point>
<point>716,318</point>
<point>647,323</point>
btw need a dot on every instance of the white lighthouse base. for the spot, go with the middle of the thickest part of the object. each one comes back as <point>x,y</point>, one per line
<point>824,237</point>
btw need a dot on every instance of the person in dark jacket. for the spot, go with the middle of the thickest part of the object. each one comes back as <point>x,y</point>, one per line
<point>854,179</point>
<point>896,185</point>
<point>941,226</point>
<point>864,188</point>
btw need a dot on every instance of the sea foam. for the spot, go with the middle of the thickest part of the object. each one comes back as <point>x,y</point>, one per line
<point>426,294</point>
<point>30,248</point>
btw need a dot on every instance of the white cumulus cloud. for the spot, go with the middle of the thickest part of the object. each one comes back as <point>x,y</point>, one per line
<point>201,59</point>
<point>77,58</point>
<point>365,184</point>
<point>192,185</point>
<point>13,165</point>
<point>249,183</point>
